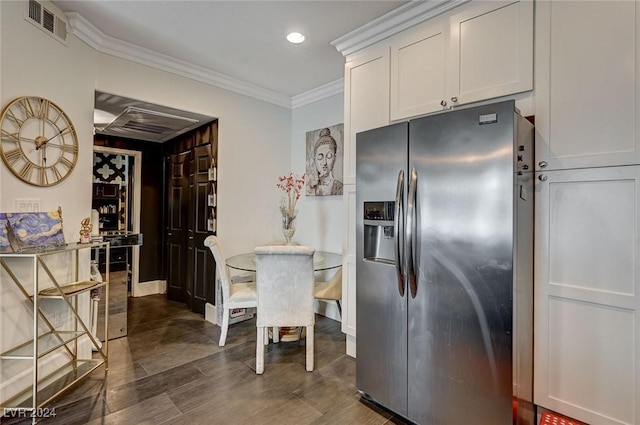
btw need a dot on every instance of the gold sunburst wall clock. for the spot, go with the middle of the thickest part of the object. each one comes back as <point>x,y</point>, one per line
<point>39,143</point>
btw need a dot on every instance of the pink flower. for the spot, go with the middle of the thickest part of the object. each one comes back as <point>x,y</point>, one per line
<point>291,185</point>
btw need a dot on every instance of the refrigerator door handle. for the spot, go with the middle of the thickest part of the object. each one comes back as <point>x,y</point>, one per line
<point>397,233</point>
<point>411,228</point>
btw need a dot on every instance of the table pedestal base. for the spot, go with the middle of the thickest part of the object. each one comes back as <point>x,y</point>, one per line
<point>289,333</point>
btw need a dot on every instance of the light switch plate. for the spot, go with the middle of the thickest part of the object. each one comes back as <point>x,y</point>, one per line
<point>27,205</point>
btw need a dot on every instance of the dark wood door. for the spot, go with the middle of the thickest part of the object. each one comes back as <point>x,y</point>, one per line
<point>190,265</point>
<point>200,268</point>
<point>177,226</point>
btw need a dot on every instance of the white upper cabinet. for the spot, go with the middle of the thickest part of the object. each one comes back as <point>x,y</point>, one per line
<point>418,70</point>
<point>491,50</point>
<point>587,84</point>
<point>366,106</point>
<point>479,51</point>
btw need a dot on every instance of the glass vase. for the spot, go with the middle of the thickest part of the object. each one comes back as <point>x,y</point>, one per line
<point>289,224</point>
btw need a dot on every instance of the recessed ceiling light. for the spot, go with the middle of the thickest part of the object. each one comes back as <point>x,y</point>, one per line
<point>295,37</point>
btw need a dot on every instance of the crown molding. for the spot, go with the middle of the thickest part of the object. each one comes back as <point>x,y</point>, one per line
<point>103,43</point>
<point>383,27</point>
<point>392,23</point>
<point>318,94</point>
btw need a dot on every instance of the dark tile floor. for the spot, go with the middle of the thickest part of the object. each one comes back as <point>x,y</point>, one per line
<point>170,370</point>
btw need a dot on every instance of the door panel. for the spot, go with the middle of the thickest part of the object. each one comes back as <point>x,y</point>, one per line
<point>178,203</point>
<point>190,266</point>
<point>460,321</point>
<point>381,313</point>
<point>594,44</point>
<point>587,294</point>
<point>418,70</point>
<point>202,261</point>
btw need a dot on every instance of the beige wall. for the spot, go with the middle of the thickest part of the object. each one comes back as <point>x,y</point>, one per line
<point>254,146</point>
<point>35,64</point>
<point>321,219</point>
<point>254,143</point>
<point>253,149</point>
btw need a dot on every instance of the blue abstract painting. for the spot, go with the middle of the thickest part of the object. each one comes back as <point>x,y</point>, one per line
<point>38,230</point>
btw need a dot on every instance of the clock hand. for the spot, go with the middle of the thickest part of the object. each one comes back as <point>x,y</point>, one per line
<point>58,134</point>
<point>42,141</point>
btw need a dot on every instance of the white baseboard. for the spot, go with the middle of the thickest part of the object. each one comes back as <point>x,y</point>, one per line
<point>351,346</point>
<point>210,311</point>
<point>150,288</point>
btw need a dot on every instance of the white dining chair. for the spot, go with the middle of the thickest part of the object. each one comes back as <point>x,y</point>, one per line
<point>237,292</point>
<point>330,289</point>
<point>285,283</point>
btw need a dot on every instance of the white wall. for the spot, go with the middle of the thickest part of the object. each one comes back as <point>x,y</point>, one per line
<point>34,64</point>
<point>320,218</point>
<point>254,146</point>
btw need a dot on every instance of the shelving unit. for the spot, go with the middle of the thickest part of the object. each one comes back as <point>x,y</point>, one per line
<point>106,200</point>
<point>45,388</point>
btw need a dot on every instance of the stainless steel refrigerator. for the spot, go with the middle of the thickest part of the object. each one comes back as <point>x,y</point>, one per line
<point>444,277</point>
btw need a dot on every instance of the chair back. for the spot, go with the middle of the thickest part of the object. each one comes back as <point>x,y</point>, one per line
<point>213,244</point>
<point>332,289</point>
<point>285,285</point>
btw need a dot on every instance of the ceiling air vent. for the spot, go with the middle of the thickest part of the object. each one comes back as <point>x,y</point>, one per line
<point>48,21</point>
<point>149,128</point>
<point>143,120</point>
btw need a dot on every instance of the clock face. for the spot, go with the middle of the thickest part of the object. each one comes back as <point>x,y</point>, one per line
<point>39,143</point>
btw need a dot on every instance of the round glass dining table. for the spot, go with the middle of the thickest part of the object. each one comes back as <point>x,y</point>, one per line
<point>322,260</point>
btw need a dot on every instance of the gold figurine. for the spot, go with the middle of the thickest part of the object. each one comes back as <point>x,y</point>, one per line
<point>85,230</point>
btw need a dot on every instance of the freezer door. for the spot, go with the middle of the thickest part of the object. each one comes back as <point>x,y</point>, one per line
<point>381,310</point>
<point>460,316</point>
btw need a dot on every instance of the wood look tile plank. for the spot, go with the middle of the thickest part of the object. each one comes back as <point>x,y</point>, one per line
<point>326,394</point>
<point>179,355</point>
<point>134,392</point>
<point>286,411</point>
<point>357,412</point>
<point>148,412</point>
<point>76,412</point>
<point>228,360</point>
<point>170,370</point>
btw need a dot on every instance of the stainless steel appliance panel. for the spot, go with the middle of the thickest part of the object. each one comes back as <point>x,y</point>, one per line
<point>523,274</point>
<point>460,321</point>
<point>381,309</point>
<point>463,233</point>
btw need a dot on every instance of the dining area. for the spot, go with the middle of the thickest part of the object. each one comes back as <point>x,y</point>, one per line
<point>282,281</point>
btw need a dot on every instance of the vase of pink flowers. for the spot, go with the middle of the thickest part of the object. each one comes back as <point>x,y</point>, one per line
<point>291,185</point>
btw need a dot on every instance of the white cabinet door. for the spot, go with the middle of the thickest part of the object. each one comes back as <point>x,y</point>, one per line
<point>587,294</point>
<point>418,69</point>
<point>491,51</point>
<point>366,105</point>
<point>587,83</point>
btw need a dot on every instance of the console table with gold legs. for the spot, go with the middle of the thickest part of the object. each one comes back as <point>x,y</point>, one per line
<point>46,337</point>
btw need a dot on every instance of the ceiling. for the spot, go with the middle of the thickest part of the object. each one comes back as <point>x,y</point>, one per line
<point>244,40</point>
